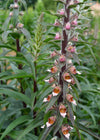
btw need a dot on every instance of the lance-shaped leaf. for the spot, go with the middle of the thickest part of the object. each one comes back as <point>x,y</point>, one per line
<point>15,95</point>
<point>85,129</point>
<point>15,123</point>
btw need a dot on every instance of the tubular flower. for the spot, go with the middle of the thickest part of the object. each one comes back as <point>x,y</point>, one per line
<point>62,58</point>
<point>67,77</point>
<point>67,26</point>
<point>54,69</point>
<point>51,121</point>
<point>62,110</point>
<point>51,80</point>
<point>65,131</point>
<point>73,70</point>
<point>69,97</point>
<point>57,36</point>
<point>56,91</point>
<point>48,98</point>
<point>71,49</point>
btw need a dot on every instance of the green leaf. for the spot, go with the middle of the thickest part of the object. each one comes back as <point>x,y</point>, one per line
<point>85,129</point>
<point>18,75</point>
<point>35,123</point>
<point>88,111</point>
<point>16,95</point>
<point>26,33</point>
<point>52,101</point>
<point>6,46</point>
<point>45,133</point>
<point>14,124</point>
<point>5,35</point>
<point>5,25</point>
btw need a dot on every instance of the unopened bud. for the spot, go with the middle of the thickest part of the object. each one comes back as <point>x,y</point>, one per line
<point>74,23</point>
<point>58,36</point>
<point>61,12</point>
<point>56,23</point>
<point>16,6</point>
<point>11,14</point>
<point>20,25</point>
<point>62,58</point>
<point>67,26</point>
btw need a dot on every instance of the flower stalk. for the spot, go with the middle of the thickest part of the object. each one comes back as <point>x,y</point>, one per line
<point>63,70</point>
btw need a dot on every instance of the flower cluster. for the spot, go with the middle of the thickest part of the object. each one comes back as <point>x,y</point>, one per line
<point>13,7</point>
<point>64,70</point>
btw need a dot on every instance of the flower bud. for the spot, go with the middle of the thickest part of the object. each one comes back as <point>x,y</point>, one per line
<point>51,80</point>
<point>62,110</point>
<point>56,23</point>
<point>71,49</point>
<point>76,1</point>
<point>11,26</point>
<point>62,58</point>
<point>58,36</point>
<point>69,61</point>
<point>11,14</point>
<point>67,77</point>
<point>72,81</point>
<point>53,54</point>
<point>20,25</point>
<point>73,70</point>
<point>68,26</point>
<point>69,97</point>
<point>56,91</point>
<point>51,121</point>
<point>16,5</point>
<point>61,12</point>
<point>75,39</point>
<point>74,23</point>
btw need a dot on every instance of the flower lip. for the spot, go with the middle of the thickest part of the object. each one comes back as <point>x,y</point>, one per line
<point>51,121</point>
<point>65,131</point>
<point>69,97</point>
<point>56,91</point>
<point>62,110</point>
<point>73,70</point>
<point>54,69</point>
<point>48,98</point>
<point>67,77</point>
